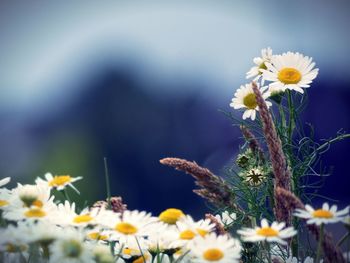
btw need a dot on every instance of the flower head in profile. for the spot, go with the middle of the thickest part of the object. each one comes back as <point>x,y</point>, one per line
<point>213,248</point>
<point>274,233</point>
<point>290,70</point>
<point>59,182</point>
<point>324,215</point>
<point>256,71</point>
<point>244,98</point>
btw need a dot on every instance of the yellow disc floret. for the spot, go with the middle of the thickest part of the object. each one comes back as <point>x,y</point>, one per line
<point>126,228</point>
<point>3,203</point>
<point>60,180</point>
<point>82,219</point>
<point>267,232</point>
<point>171,215</point>
<point>320,213</point>
<point>213,254</point>
<point>35,212</point>
<point>250,101</point>
<point>289,75</point>
<point>187,235</point>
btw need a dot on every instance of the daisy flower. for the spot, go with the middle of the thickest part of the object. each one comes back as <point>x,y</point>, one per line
<point>171,216</point>
<point>245,98</point>
<point>295,260</point>
<point>59,182</point>
<point>292,71</point>
<point>5,181</point>
<point>322,215</point>
<point>213,248</point>
<point>102,254</point>
<point>66,215</point>
<point>274,233</point>
<point>129,224</point>
<point>226,218</point>
<point>70,248</point>
<point>188,229</point>
<point>162,238</point>
<point>256,71</point>
<point>5,196</point>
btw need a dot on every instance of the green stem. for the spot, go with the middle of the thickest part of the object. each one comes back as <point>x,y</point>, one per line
<point>268,251</point>
<point>318,255</point>
<point>66,196</point>
<point>345,237</point>
<point>107,183</point>
<point>291,121</point>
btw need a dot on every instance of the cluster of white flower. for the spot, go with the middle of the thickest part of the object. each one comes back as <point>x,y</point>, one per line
<point>62,233</point>
<point>288,71</point>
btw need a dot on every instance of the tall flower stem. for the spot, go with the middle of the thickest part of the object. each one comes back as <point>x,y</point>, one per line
<point>66,195</point>
<point>108,187</point>
<point>268,249</point>
<point>319,247</point>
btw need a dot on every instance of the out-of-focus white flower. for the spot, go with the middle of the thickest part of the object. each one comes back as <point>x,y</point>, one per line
<point>291,71</point>
<point>213,248</point>
<point>256,71</point>
<point>245,98</point>
<point>59,182</point>
<point>102,254</point>
<point>226,218</point>
<point>274,233</point>
<point>162,237</point>
<point>71,248</point>
<point>324,215</point>
<point>295,260</point>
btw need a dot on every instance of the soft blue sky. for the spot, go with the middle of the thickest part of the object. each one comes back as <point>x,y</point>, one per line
<point>48,47</point>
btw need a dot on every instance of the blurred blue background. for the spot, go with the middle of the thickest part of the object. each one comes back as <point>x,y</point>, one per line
<point>136,81</point>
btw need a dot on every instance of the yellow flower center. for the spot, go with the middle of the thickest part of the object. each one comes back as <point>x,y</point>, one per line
<point>250,101</point>
<point>267,232</point>
<point>171,215</point>
<point>187,235</point>
<point>213,254</point>
<point>11,248</point>
<point>97,236</point>
<point>289,75</point>
<point>35,212</point>
<point>3,203</point>
<point>82,219</point>
<point>60,180</point>
<point>126,228</point>
<point>202,232</point>
<point>320,213</point>
<point>38,203</point>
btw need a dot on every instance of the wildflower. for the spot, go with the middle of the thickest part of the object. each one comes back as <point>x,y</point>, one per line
<point>171,215</point>
<point>189,229</point>
<point>295,260</point>
<point>322,215</point>
<point>162,238</point>
<point>59,182</point>
<point>131,223</point>
<point>292,71</point>
<point>256,71</point>
<point>70,248</point>
<point>245,98</point>
<point>226,218</point>
<point>213,248</point>
<point>254,176</point>
<point>243,159</point>
<point>274,233</point>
